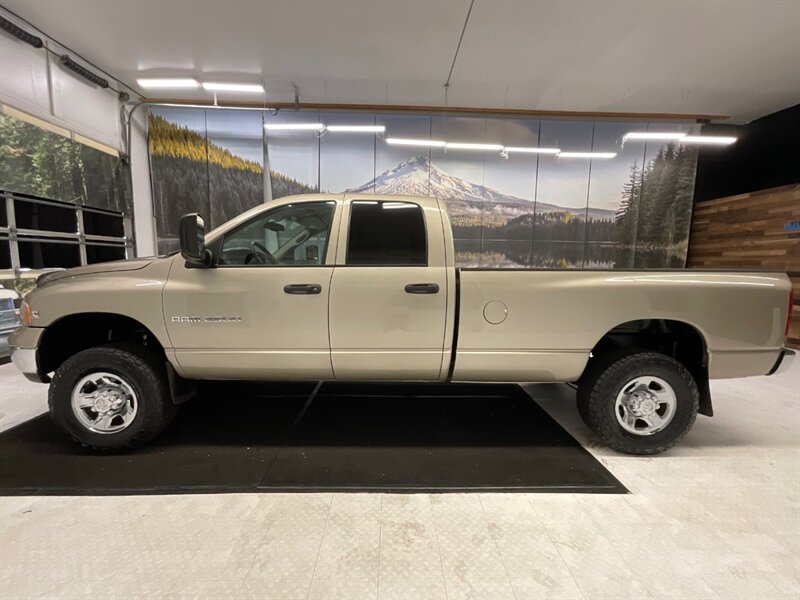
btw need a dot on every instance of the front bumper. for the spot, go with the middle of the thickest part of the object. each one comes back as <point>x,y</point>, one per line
<point>783,363</point>
<point>24,342</point>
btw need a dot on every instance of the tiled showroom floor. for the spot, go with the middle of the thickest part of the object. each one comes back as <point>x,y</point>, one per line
<point>717,517</point>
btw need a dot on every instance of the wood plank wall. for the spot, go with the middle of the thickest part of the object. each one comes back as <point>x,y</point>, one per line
<point>749,231</point>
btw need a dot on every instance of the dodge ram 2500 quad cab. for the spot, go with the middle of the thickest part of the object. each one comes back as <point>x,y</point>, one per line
<point>356,287</point>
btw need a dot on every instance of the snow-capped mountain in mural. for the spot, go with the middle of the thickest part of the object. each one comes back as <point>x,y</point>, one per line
<point>418,177</point>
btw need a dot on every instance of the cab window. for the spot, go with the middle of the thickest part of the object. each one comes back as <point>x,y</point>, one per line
<point>386,233</point>
<point>294,234</point>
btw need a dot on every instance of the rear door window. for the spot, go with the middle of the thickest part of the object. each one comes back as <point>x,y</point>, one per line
<point>386,233</point>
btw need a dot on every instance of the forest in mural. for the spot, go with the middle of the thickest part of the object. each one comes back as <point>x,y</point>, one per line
<point>535,210</point>
<point>187,172</point>
<point>42,163</point>
<point>656,208</point>
<point>193,174</point>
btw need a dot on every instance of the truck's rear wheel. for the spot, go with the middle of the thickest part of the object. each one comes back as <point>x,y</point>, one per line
<point>641,403</point>
<point>113,397</point>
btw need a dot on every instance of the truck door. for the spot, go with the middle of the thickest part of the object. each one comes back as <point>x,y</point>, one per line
<point>262,313</point>
<point>388,305</point>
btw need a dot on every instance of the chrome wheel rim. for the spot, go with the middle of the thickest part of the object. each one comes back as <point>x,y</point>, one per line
<point>104,402</point>
<point>645,405</point>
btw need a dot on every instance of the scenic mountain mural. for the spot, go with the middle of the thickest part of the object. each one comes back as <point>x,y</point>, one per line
<point>479,213</point>
<point>418,177</point>
<point>540,212</point>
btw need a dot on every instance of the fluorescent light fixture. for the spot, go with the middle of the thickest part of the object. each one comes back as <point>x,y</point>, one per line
<point>357,128</point>
<point>168,83</point>
<point>531,150</point>
<point>587,154</point>
<point>469,146</point>
<point>411,142</point>
<point>718,140</point>
<point>233,87</point>
<point>654,135</point>
<point>294,126</point>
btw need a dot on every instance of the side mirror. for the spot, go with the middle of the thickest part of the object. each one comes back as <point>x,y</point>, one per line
<point>192,236</point>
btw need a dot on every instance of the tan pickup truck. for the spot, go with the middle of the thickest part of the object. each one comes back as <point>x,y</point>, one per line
<point>356,287</point>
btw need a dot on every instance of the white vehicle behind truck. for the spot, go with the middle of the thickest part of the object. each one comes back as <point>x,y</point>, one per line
<point>356,287</point>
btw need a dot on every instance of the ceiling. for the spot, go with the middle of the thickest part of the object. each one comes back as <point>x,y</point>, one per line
<point>738,58</point>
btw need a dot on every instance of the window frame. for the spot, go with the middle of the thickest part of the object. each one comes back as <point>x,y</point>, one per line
<point>218,244</point>
<point>378,266</point>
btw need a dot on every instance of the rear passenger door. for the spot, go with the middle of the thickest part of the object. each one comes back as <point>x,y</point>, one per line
<point>389,293</point>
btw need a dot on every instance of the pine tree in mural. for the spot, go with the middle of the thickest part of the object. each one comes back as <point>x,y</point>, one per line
<point>626,215</point>
<point>653,219</point>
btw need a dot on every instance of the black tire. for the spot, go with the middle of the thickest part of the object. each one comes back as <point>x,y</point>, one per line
<point>600,393</point>
<point>141,369</point>
<point>595,368</point>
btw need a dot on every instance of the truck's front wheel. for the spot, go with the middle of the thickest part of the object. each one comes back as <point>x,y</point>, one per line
<point>112,397</point>
<point>641,403</point>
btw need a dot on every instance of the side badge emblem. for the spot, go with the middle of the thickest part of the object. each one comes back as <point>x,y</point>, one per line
<point>206,319</point>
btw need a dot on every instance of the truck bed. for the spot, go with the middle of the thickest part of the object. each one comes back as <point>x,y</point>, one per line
<point>541,325</point>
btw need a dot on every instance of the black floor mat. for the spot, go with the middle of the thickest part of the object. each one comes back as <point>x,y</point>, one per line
<point>376,437</point>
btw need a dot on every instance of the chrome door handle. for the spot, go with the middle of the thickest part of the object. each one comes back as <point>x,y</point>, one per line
<point>422,288</point>
<point>302,288</point>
